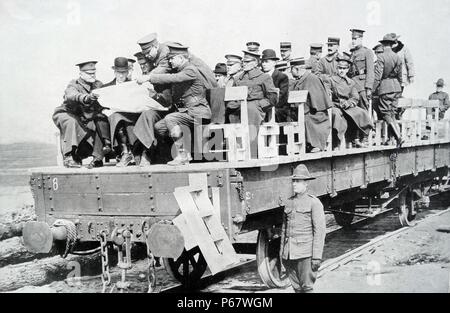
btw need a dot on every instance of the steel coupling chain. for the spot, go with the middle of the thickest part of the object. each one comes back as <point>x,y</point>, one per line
<point>106,276</point>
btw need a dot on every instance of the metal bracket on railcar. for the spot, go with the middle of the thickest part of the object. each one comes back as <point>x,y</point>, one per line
<point>122,239</point>
<point>393,158</point>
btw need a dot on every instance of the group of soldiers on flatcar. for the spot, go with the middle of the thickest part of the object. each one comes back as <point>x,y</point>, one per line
<point>344,83</point>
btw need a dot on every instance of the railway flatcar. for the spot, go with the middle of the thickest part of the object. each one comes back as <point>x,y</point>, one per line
<point>193,216</point>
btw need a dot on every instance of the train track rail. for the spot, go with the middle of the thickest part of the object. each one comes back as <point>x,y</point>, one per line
<point>342,246</point>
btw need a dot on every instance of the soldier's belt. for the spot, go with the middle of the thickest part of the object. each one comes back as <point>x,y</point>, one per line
<point>190,100</point>
<point>361,72</point>
<point>392,76</point>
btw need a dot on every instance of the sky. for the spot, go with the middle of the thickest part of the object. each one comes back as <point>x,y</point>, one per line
<point>41,40</point>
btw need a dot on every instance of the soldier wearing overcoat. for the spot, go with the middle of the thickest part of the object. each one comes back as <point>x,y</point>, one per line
<point>84,128</point>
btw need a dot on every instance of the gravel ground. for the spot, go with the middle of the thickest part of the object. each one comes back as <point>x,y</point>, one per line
<point>417,260</point>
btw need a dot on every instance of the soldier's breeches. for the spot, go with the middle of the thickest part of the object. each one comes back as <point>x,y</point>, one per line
<point>363,100</point>
<point>301,274</point>
<point>387,105</point>
<point>144,129</point>
<point>177,125</point>
<point>103,128</point>
<point>72,131</point>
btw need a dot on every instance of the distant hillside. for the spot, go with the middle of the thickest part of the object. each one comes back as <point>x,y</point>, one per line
<point>27,155</point>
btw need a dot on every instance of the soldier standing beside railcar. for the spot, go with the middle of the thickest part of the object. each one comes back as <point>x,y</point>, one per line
<point>84,129</point>
<point>362,71</point>
<point>442,96</point>
<point>304,234</point>
<point>388,80</point>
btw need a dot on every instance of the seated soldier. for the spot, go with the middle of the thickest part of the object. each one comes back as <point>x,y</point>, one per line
<point>189,96</point>
<point>84,129</point>
<point>317,122</point>
<point>234,69</point>
<point>348,118</point>
<point>281,66</point>
<point>262,95</point>
<point>122,123</point>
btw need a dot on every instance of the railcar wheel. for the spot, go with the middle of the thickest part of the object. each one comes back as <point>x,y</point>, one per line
<point>189,268</point>
<point>342,219</point>
<point>268,259</point>
<point>406,213</point>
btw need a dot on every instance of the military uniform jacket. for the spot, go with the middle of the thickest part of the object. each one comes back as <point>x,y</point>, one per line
<point>318,99</point>
<point>305,228</point>
<point>408,70</point>
<point>388,73</point>
<point>188,90</point>
<point>314,63</point>
<point>344,91</point>
<point>444,102</point>
<point>327,65</point>
<point>75,99</point>
<point>281,81</point>
<point>260,88</point>
<point>230,79</point>
<point>362,70</point>
<point>160,64</point>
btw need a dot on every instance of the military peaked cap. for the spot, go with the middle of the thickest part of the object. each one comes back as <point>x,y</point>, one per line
<point>250,56</point>
<point>334,41</point>
<point>357,32</point>
<point>87,65</point>
<point>285,45</point>
<point>148,41</point>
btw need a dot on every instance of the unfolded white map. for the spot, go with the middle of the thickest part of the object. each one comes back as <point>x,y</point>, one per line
<point>128,97</point>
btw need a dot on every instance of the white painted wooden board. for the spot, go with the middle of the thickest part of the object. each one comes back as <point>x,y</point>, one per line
<point>193,203</point>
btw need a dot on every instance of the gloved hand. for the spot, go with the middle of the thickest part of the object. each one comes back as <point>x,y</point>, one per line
<point>233,105</point>
<point>369,93</point>
<point>143,79</point>
<point>315,264</point>
<point>343,104</point>
<point>91,98</point>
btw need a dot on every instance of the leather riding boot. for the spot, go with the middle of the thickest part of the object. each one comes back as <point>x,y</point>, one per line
<point>182,156</point>
<point>396,132</point>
